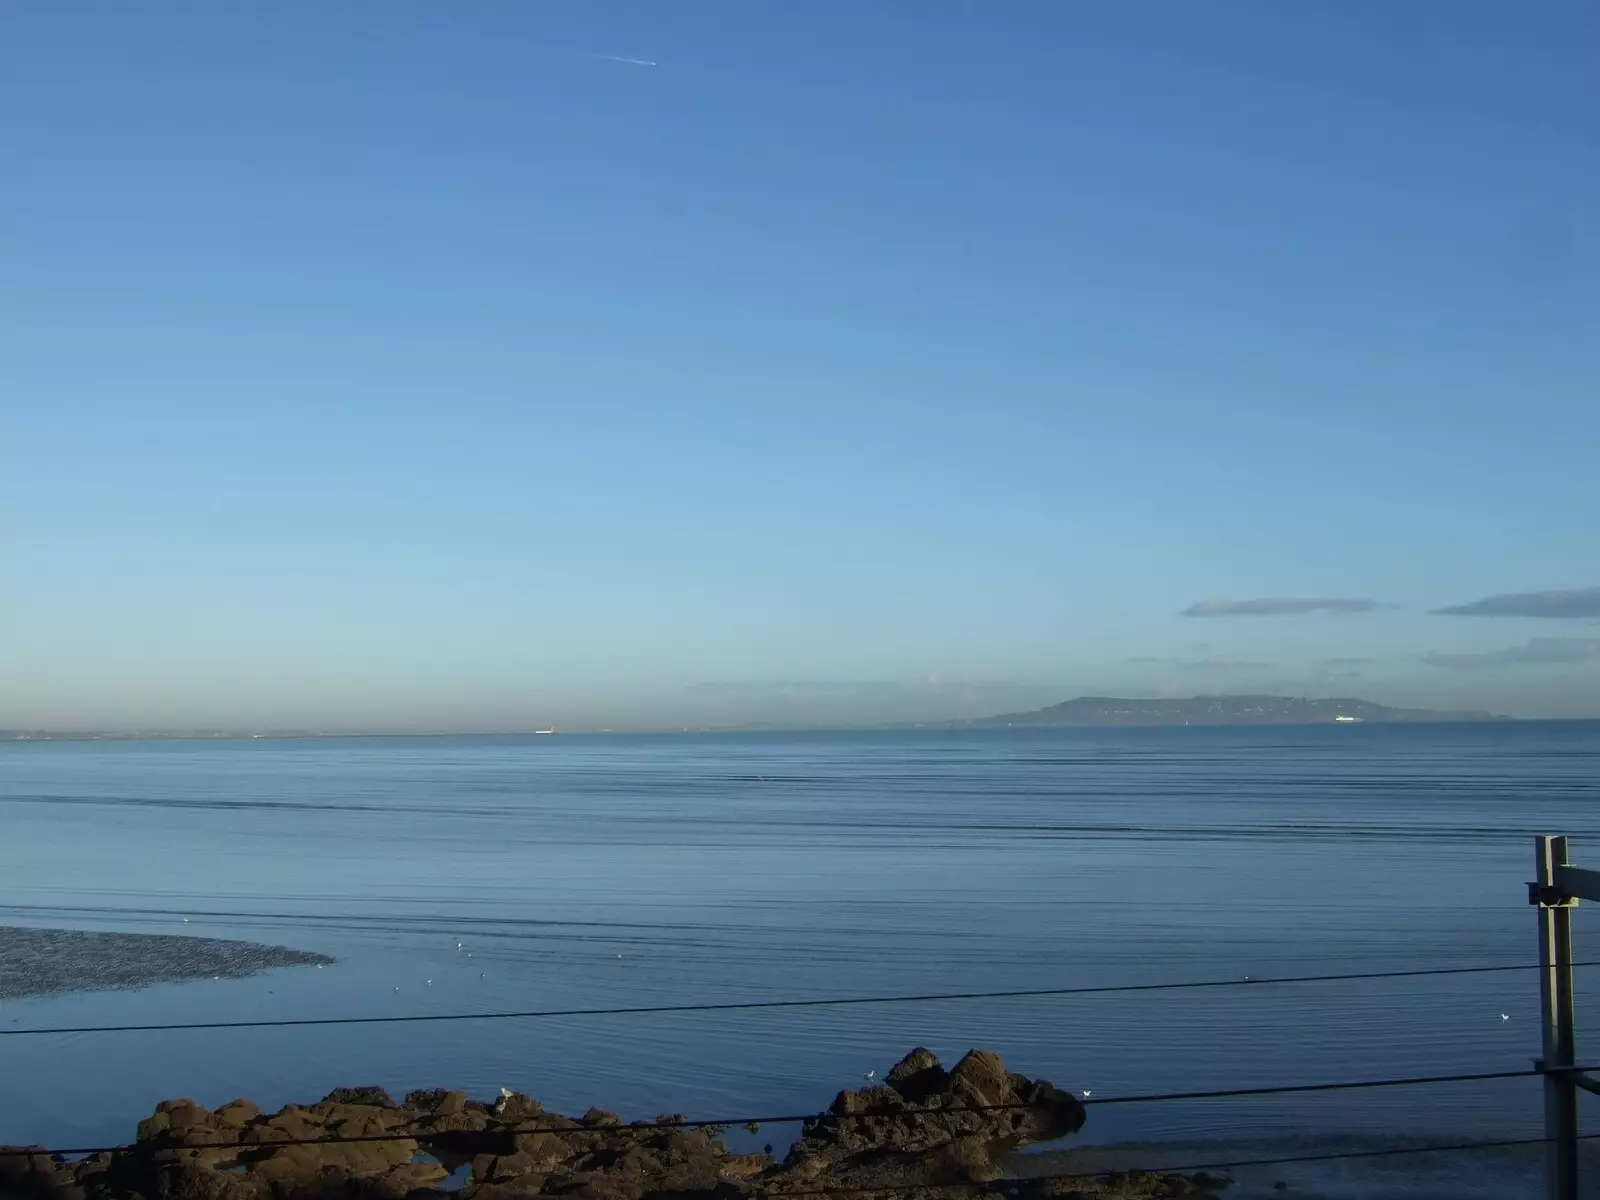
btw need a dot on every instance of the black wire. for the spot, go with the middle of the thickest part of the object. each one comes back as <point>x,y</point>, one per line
<point>791,1119</point>
<point>656,1009</point>
<point>1286,1089</point>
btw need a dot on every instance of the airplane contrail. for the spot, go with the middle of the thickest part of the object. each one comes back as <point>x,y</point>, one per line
<point>632,62</point>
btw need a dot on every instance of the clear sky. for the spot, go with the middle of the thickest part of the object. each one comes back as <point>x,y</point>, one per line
<point>488,363</point>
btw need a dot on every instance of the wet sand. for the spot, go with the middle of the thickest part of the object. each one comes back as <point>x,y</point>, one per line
<point>45,962</point>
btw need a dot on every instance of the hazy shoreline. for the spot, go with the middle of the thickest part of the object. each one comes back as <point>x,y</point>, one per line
<point>939,726</point>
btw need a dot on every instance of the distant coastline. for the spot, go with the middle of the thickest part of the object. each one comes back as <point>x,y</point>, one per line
<point>1086,712</point>
<point>1101,711</point>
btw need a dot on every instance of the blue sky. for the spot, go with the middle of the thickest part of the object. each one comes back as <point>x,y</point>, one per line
<point>394,364</point>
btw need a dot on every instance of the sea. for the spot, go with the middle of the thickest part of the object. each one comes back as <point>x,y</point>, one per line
<point>465,875</point>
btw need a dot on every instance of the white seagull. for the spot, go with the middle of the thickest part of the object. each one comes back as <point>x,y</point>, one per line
<point>1087,1093</point>
<point>1505,1016</point>
<point>870,1076</point>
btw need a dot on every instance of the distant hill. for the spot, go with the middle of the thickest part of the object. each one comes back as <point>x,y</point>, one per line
<point>1215,710</point>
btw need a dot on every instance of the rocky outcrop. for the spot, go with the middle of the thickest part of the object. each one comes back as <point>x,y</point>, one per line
<point>927,1126</point>
<point>923,1128</point>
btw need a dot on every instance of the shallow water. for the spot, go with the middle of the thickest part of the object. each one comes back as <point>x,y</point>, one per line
<point>620,871</point>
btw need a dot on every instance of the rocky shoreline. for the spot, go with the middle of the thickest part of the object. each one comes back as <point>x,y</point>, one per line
<point>924,1128</point>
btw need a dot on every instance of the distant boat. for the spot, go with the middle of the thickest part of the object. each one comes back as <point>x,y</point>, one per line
<point>1348,720</point>
<point>550,730</point>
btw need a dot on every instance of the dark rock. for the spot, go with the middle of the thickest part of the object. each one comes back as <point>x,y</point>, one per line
<point>292,1123</point>
<point>497,1168</point>
<point>517,1109</point>
<point>369,1158</point>
<point>745,1166</point>
<point>437,1100</point>
<point>287,1164</point>
<point>638,1161</point>
<point>693,1175</point>
<point>917,1075</point>
<point>375,1096</point>
<point>462,1123</point>
<point>687,1145</point>
<point>956,1134</point>
<point>981,1079</point>
<point>606,1187</point>
<point>408,1177</point>
<point>427,1098</point>
<point>32,1176</point>
<point>542,1149</point>
<point>1130,1185</point>
<point>459,1146</point>
<point>512,1189</point>
<point>238,1112</point>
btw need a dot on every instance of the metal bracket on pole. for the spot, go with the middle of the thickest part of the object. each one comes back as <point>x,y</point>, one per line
<point>1585,1081</point>
<point>1546,895</point>
<point>1556,1018</point>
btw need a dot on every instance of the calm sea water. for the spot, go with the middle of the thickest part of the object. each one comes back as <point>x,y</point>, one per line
<point>605,871</point>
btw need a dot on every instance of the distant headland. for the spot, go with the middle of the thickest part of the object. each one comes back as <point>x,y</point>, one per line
<point>1084,712</point>
<point>1213,710</point>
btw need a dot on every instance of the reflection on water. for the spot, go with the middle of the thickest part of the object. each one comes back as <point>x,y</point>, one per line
<point>582,872</point>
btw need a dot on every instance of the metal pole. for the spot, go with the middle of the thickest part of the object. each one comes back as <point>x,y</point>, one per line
<point>1556,1021</point>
